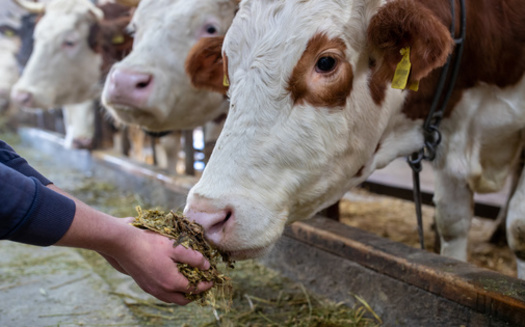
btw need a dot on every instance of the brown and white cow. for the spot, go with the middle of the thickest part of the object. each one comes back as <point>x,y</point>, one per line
<point>76,43</point>
<point>149,88</point>
<point>313,113</point>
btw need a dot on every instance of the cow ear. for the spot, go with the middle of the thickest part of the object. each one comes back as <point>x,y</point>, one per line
<point>94,37</point>
<point>96,13</point>
<point>205,65</point>
<point>114,32</point>
<point>401,24</point>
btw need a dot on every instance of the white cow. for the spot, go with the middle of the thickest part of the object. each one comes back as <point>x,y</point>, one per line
<point>62,68</point>
<point>75,44</point>
<point>313,113</point>
<point>149,88</point>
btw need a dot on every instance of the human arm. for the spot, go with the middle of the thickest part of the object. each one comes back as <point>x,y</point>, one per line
<point>149,258</point>
<point>34,211</point>
<point>30,212</point>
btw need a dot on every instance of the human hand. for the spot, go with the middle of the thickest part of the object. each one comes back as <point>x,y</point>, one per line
<point>151,260</point>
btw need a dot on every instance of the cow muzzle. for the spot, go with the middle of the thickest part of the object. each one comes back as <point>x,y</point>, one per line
<point>215,221</point>
<point>22,98</point>
<point>223,228</point>
<point>128,88</point>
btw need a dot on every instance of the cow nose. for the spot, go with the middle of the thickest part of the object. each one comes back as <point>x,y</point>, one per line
<point>22,98</point>
<point>129,88</point>
<point>215,221</point>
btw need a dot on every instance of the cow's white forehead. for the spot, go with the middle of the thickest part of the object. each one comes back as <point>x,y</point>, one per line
<point>278,31</point>
<point>179,12</point>
<point>183,6</point>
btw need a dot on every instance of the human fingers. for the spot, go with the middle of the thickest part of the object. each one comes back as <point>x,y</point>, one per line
<point>173,288</point>
<point>182,285</point>
<point>191,257</point>
<point>201,287</point>
<point>172,297</point>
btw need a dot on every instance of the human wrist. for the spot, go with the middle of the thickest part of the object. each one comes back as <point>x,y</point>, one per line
<point>116,237</point>
<point>94,230</point>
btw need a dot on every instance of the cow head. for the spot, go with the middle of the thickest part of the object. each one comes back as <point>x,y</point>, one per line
<point>312,112</point>
<point>9,44</point>
<point>63,67</point>
<point>150,88</point>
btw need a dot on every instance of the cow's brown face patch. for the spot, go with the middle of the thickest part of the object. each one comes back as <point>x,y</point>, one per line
<point>322,77</point>
<point>205,65</point>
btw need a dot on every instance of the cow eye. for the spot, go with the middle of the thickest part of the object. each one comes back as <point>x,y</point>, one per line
<point>69,44</point>
<point>325,64</point>
<point>210,29</point>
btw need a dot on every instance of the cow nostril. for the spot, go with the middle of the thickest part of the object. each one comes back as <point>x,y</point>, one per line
<point>228,215</point>
<point>144,84</point>
<point>22,97</point>
<point>219,225</point>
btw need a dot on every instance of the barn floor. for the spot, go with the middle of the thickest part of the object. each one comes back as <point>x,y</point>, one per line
<point>395,219</point>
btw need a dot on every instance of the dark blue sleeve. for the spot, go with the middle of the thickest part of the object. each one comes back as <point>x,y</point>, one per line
<point>10,158</point>
<point>30,212</point>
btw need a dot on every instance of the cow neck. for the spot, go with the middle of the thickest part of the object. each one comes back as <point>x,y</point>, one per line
<point>432,136</point>
<point>154,136</point>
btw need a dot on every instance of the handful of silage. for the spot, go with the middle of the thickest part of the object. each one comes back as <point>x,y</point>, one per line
<point>190,235</point>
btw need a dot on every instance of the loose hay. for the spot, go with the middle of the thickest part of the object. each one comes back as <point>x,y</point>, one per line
<point>190,235</point>
<point>261,298</point>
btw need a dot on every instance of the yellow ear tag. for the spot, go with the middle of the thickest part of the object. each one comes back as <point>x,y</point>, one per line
<point>117,39</point>
<point>225,81</point>
<point>403,72</point>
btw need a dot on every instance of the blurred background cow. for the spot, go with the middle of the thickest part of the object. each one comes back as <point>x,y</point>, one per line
<point>149,88</point>
<point>76,42</point>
